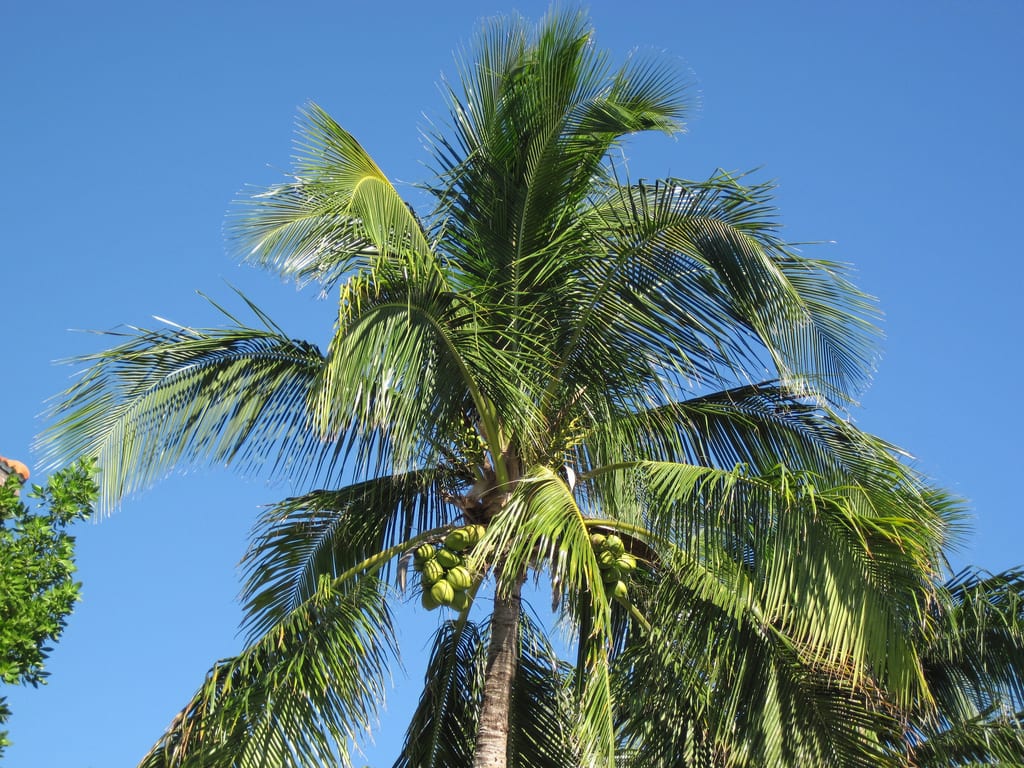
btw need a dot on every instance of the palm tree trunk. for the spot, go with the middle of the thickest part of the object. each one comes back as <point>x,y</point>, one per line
<point>502,656</point>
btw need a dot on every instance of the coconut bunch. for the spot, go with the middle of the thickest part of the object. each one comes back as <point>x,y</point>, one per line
<point>444,577</point>
<point>615,563</point>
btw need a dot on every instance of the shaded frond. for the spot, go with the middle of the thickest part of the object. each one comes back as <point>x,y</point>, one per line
<point>986,739</point>
<point>542,709</point>
<point>324,533</point>
<point>443,727</point>
<point>720,291</point>
<point>296,697</point>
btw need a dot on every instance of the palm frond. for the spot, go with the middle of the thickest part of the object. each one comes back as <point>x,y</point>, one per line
<point>324,533</point>
<point>540,111</point>
<point>974,665</point>
<point>177,395</point>
<point>975,657</point>
<point>338,214</point>
<point>443,727</point>
<point>724,684</point>
<point>296,697</point>
<point>543,710</point>
<point>847,552</point>
<point>987,739</point>
<point>409,363</point>
<point>719,290</point>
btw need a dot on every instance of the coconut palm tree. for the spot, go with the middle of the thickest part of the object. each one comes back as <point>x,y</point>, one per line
<point>628,394</point>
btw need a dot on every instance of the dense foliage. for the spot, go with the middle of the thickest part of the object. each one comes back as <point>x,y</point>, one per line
<point>37,588</point>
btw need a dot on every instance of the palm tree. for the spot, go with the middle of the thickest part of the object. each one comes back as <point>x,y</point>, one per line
<point>632,393</point>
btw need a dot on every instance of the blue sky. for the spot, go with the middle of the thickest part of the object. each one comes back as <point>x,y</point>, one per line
<point>893,131</point>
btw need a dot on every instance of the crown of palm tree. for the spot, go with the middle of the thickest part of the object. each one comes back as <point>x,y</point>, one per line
<point>557,354</point>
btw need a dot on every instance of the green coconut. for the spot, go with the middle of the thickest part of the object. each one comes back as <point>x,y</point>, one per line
<point>427,600</point>
<point>459,577</point>
<point>448,559</point>
<point>606,559</point>
<point>597,540</point>
<point>460,601</point>
<point>611,575</point>
<point>614,544</point>
<point>620,591</point>
<point>432,572</point>
<point>626,562</point>
<point>424,553</point>
<point>476,532</point>
<point>458,540</point>
<point>443,592</point>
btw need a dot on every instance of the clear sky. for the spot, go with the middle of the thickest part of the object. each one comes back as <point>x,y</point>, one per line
<point>893,130</point>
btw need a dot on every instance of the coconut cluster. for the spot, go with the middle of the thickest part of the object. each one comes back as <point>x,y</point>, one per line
<point>444,576</point>
<point>615,563</point>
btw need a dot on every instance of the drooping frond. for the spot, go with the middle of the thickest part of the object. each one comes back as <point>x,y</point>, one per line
<point>987,739</point>
<point>443,728</point>
<point>297,696</point>
<point>322,534</point>
<point>542,710</point>
<point>781,535</point>
<point>177,395</point>
<point>723,683</point>
<point>976,658</point>
<point>697,274</point>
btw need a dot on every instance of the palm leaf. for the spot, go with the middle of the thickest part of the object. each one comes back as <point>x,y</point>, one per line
<point>542,708</point>
<point>339,214</point>
<point>295,697</point>
<point>323,534</point>
<point>177,395</point>
<point>728,687</point>
<point>443,727</point>
<point>974,664</point>
<point>704,261</point>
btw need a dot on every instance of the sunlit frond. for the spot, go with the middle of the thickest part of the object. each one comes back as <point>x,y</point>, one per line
<point>728,686</point>
<point>176,395</point>
<point>339,213</point>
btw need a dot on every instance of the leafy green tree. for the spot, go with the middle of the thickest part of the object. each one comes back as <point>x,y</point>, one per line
<point>633,393</point>
<point>37,589</point>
